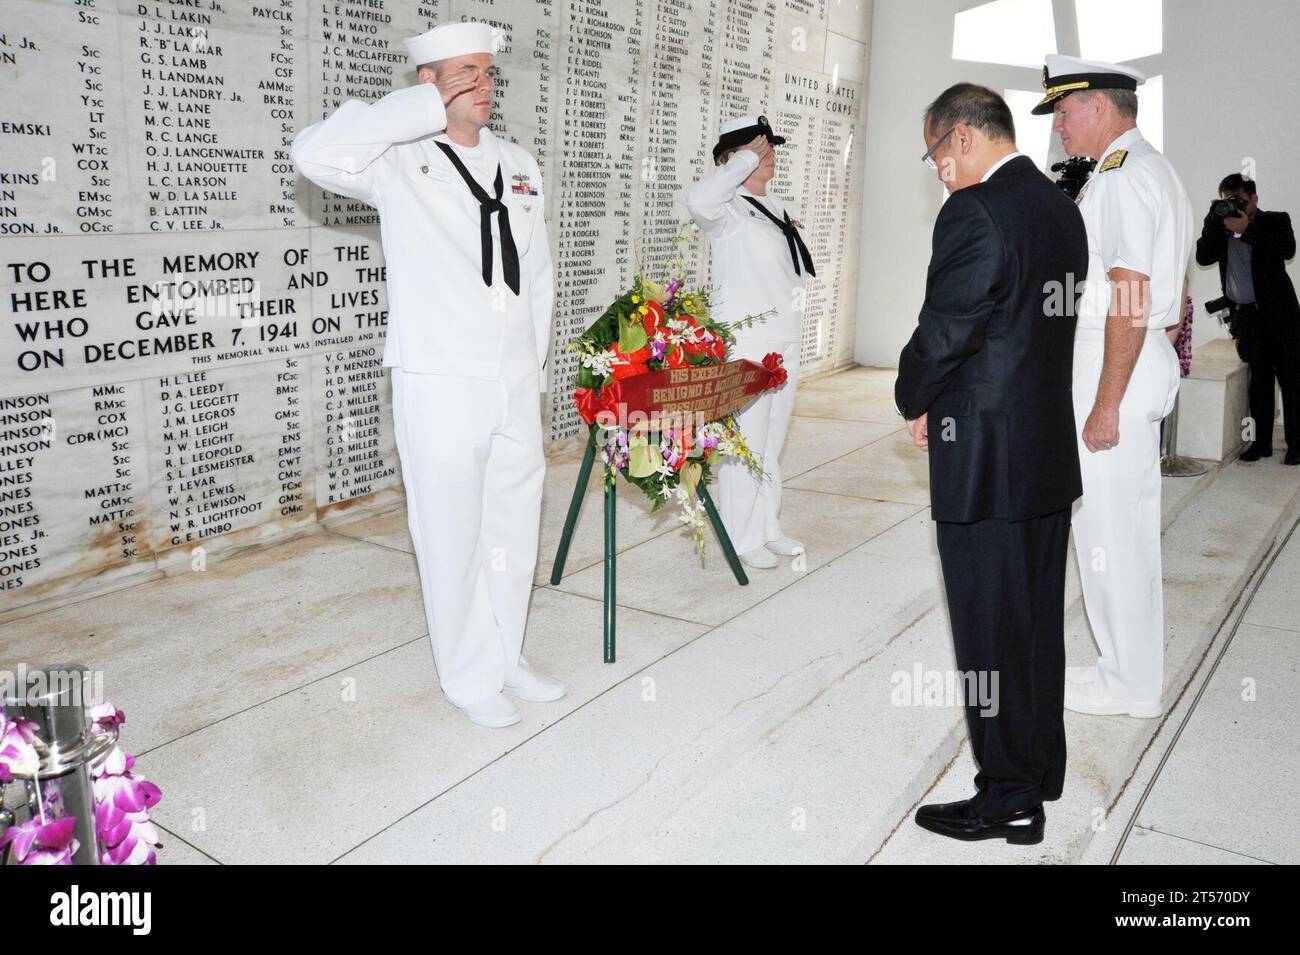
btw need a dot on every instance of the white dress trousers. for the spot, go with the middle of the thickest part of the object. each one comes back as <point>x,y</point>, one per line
<point>1138,218</point>
<point>473,468</point>
<point>750,510</point>
<point>1117,521</point>
<point>753,272</point>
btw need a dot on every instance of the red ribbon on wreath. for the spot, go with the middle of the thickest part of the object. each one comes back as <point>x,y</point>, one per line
<point>774,363</point>
<point>591,403</point>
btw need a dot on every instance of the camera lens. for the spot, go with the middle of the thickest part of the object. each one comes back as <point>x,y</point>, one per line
<point>1223,208</point>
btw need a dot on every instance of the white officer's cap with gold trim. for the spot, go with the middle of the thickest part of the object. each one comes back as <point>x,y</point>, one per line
<point>1064,75</point>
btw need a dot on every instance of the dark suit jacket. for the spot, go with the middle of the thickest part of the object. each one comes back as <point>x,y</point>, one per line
<point>1272,242</point>
<point>989,360</point>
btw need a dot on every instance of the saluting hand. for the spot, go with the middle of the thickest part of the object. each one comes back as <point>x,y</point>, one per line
<point>1101,430</point>
<point>759,146</point>
<point>454,84</point>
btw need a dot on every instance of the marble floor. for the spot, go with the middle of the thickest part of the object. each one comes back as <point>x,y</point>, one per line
<point>1220,784</point>
<point>284,698</point>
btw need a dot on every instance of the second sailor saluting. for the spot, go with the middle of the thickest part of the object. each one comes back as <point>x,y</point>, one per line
<point>760,264</point>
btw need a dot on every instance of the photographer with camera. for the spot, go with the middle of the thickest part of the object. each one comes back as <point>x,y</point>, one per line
<point>1251,247</point>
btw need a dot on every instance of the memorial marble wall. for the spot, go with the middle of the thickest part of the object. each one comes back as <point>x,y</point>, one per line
<point>192,333</point>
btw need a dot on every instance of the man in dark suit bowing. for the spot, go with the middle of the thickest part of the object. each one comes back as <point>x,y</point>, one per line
<point>984,384</point>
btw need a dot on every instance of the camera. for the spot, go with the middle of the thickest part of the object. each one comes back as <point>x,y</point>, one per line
<point>1229,321</point>
<point>1074,173</point>
<point>1232,206</point>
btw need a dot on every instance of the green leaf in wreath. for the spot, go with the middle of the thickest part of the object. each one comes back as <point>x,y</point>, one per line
<point>631,335</point>
<point>689,477</point>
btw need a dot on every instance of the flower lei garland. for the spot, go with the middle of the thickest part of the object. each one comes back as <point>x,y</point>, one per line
<point>122,801</point>
<point>650,327</point>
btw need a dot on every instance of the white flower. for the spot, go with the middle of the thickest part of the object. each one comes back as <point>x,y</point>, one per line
<point>600,363</point>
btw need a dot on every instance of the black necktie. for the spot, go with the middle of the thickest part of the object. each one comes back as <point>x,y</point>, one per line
<point>488,205</point>
<point>797,249</point>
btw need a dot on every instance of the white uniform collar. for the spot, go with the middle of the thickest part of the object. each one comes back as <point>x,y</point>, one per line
<point>1000,163</point>
<point>1125,140</point>
<point>491,147</point>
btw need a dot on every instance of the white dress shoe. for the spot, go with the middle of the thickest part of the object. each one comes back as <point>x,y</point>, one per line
<point>494,711</point>
<point>1092,699</point>
<point>1081,674</point>
<point>785,546</point>
<point>533,687</point>
<point>761,558</point>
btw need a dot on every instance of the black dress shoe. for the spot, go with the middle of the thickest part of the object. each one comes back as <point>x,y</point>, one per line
<point>1292,456</point>
<point>958,821</point>
<point>1254,452</point>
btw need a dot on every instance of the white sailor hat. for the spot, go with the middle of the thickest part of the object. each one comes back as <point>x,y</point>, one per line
<point>453,39</point>
<point>738,130</point>
<point>1064,75</point>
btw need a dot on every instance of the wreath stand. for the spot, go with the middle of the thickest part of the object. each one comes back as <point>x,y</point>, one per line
<point>571,522</point>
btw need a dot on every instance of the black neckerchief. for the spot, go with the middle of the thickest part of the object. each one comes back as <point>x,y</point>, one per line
<point>797,249</point>
<point>488,205</point>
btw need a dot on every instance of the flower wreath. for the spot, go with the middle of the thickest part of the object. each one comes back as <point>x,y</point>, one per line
<point>650,327</point>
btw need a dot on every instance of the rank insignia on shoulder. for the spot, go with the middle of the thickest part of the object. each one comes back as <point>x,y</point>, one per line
<point>1113,161</point>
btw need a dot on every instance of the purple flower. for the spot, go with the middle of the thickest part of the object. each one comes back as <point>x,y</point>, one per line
<point>1184,343</point>
<point>658,347</point>
<point>43,843</point>
<point>17,752</point>
<point>115,763</point>
<point>671,450</point>
<point>122,800</point>
<point>127,792</point>
<point>106,716</point>
<point>130,852</point>
<point>125,838</point>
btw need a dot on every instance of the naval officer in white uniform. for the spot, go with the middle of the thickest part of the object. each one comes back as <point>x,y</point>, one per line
<point>760,263</point>
<point>1139,223</point>
<point>470,290</point>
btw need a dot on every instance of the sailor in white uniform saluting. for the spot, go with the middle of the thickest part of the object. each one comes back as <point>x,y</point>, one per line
<point>760,263</point>
<point>470,291</point>
<point>1139,225</point>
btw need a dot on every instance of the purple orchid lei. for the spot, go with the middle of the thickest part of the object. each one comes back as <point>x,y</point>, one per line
<point>42,843</point>
<point>122,801</point>
<point>17,749</point>
<point>617,454</point>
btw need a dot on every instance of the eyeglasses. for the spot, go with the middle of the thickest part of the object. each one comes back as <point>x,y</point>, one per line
<point>928,158</point>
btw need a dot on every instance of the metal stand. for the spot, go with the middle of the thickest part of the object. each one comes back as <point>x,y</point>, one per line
<point>52,697</point>
<point>571,522</point>
<point>1171,465</point>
